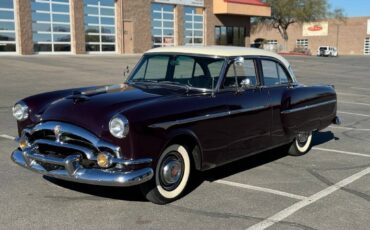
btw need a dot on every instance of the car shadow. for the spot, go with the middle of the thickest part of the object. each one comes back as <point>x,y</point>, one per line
<point>197,178</point>
<point>323,137</point>
<point>118,193</point>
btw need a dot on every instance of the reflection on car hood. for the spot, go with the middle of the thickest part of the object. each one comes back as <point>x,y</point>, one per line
<point>96,106</point>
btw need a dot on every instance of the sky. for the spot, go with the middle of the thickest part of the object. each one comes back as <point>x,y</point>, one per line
<point>352,8</point>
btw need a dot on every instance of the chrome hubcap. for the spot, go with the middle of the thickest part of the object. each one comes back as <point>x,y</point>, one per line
<point>171,171</point>
<point>302,138</point>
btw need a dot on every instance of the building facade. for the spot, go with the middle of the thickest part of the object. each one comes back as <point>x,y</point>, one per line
<point>350,37</point>
<point>123,26</point>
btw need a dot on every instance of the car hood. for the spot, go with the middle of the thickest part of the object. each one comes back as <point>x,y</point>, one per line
<point>92,109</point>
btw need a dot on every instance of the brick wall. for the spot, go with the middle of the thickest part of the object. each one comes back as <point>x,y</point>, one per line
<point>351,36</point>
<point>139,12</point>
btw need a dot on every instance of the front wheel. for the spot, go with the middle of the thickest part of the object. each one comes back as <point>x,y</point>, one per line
<point>171,176</point>
<point>301,144</point>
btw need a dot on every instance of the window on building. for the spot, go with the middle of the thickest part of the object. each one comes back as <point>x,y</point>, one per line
<point>7,26</point>
<point>193,26</point>
<point>163,25</point>
<point>302,43</point>
<point>51,26</point>
<point>233,36</point>
<point>100,35</point>
<point>272,42</point>
<point>367,46</point>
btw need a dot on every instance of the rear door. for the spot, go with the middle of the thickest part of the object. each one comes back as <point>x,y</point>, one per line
<point>276,81</point>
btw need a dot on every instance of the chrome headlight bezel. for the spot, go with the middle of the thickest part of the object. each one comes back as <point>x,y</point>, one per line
<point>20,111</point>
<point>119,126</point>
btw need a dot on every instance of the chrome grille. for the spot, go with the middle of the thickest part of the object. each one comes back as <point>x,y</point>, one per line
<point>60,140</point>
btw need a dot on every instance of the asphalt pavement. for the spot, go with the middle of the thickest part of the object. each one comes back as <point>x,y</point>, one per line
<point>328,188</point>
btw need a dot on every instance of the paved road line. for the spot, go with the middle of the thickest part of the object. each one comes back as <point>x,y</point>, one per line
<point>261,189</point>
<point>340,151</point>
<point>7,137</point>
<point>356,114</point>
<point>348,128</point>
<point>353,94</point>
<point>307,201</point>
<point>366,89</point>
<point>354,103</point>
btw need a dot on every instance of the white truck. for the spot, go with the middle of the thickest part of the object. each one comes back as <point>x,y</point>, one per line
<point>327,51</point>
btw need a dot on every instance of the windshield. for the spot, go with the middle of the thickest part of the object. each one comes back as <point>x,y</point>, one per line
<point>180,70</point>
<point>323,48</point>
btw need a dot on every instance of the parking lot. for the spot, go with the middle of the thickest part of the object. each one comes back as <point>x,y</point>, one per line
<point>328,188</point>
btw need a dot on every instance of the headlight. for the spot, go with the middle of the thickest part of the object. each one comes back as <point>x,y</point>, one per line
<point>20,111</point>
<point>118,126</point>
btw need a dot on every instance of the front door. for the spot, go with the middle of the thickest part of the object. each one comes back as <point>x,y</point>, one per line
<point>128,37</point>
<point>250,113</point>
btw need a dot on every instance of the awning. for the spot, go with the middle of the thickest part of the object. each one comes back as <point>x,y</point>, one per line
<point>241,7</point>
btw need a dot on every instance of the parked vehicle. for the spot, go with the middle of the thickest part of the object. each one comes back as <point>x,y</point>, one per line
<point>182,109</point>
<point>327,51</point>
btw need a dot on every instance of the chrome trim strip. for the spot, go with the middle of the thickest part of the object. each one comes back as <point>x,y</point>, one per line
<point>308,107</point>
<point>75,172</point>
<point>168,124</point>
<point>132,162</point>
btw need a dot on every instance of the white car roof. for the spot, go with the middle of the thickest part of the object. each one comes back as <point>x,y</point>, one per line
<point>221,51</point>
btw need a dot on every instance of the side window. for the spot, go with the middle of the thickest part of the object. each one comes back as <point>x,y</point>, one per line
<point>183,67</point>
<point>244,73</point>
<point>214,68</point>
<point>282,75</point>
<point>273,73</point>
<point>198,71</point>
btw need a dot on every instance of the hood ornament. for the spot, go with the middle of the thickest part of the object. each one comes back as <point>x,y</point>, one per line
<point>58,132</point>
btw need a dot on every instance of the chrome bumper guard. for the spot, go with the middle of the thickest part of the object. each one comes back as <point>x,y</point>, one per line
<point>73,171</point>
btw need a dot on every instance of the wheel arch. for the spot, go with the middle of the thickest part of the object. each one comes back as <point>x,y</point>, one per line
<point>190,141</point>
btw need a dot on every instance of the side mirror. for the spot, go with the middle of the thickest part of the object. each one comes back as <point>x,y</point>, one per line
<point>239,61</point>
<point>126,71</point>
<point>246,83</point>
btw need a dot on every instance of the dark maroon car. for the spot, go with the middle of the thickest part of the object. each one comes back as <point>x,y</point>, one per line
<point>182,109</point>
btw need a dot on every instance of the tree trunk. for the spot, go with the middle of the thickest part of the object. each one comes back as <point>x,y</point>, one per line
<point>284,34</point>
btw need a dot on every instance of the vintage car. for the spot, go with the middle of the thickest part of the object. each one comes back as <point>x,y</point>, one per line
<point>182,109</point>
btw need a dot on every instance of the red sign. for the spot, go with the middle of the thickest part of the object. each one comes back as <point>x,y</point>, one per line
<point>315,28</point>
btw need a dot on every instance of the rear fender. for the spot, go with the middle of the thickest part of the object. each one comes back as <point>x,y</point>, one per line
<point>308,108</point>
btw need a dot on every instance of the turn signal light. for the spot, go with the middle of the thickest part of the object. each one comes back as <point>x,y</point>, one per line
<point>104,160</point>
<point>23,143</point>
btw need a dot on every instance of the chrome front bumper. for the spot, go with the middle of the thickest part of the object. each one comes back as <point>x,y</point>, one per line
<point>71,170</point>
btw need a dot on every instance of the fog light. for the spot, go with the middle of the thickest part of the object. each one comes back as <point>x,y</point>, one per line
<point>23,143</point>
<point>104,160</point>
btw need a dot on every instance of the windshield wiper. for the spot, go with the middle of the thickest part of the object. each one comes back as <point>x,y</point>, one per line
<point>143,81</point>
<point>187,87</point>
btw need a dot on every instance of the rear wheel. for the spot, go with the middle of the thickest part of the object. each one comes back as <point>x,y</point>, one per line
<point>171,176</point>
<point>301,144</point>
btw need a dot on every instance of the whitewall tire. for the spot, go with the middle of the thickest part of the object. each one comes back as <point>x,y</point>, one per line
<point>301,144</point>
<point>171,176</point>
